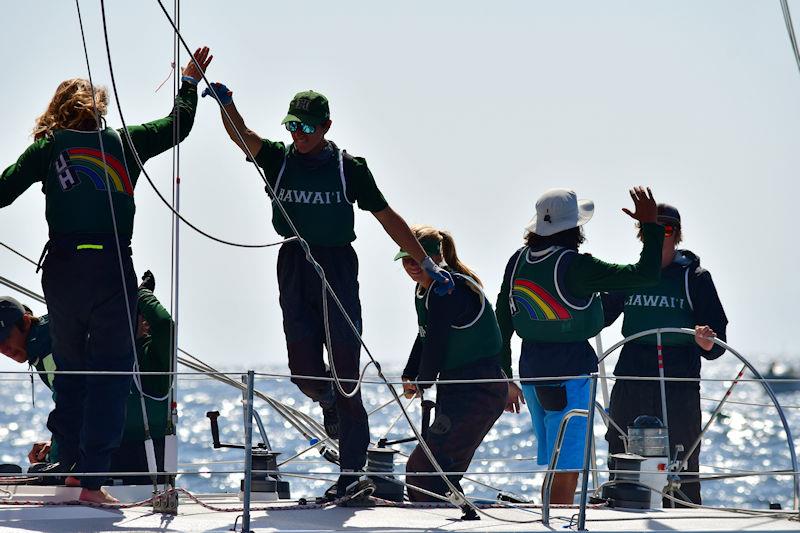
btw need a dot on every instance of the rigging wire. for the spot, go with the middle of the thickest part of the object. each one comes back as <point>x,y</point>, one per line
<point>787,18</point>
<point>457,498</point>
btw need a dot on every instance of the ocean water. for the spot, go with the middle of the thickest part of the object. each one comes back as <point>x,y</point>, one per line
<point>747,437</point>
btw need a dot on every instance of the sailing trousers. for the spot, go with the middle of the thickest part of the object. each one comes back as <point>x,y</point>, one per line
<point>630,399</point>
<point>91,331</point>
<point>304,325</point>
<point>464,415</point>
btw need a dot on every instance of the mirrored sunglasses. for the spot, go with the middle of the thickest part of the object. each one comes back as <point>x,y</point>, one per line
<point>293,126</point>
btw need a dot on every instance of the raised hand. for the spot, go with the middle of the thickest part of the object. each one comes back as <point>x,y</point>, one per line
<point>223,94</point>
<point>195,68</point>
<point>148,281</point>
<point>644,205</point>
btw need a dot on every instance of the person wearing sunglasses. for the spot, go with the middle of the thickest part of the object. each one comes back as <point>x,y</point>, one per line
<point>685,298</point>
<point>317,184</point>
<point>549,298</point>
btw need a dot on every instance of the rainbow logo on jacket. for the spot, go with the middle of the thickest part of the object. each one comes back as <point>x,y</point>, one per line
<point>539,303</point>
<point>95,165</point>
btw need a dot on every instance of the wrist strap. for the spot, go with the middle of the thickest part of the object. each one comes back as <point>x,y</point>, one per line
<point>189,79</point>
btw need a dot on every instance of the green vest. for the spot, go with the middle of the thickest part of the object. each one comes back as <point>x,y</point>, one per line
<point>77,183</point>
<point>316,201</point>
<point>667,305</point>
<point>157,415</point>
<point>473,341</point>
<point>539,309</point>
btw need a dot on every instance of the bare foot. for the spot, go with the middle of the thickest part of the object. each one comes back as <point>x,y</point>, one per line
<point>72,481</point>
<point>96,496</point>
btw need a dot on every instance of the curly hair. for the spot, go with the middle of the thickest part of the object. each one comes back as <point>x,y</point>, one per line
<point>72,107</point>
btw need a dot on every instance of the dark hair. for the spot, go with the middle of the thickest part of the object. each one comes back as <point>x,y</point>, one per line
<point>569,238</point>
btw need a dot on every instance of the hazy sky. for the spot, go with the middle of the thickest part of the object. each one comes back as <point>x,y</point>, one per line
<point>466,112</point>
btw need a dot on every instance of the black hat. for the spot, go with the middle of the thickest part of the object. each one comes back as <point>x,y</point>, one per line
<point>668,215</point>
<point>10,313</point>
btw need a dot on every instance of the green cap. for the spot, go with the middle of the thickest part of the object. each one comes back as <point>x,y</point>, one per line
<point>308,107</point>
<point>431,246</point>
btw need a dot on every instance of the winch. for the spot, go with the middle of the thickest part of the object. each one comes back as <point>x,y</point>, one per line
<point>647,454</point>
<point>266,482</point>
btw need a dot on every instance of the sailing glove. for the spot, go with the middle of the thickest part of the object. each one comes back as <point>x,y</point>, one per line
<point>148,281</point>
<point>444,281</point>
<point>223,94</point>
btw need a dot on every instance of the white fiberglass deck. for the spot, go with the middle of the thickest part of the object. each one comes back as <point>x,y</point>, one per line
<point>193,517</point>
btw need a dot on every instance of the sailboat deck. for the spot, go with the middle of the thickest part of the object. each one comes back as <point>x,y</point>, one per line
<point>194,517</point>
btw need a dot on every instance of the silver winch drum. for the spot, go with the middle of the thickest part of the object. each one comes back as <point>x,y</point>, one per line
<point>647,436</point>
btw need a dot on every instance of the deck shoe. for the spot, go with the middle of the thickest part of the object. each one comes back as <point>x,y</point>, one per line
<point>50,468</point>
<point>330,420</point>
<point>329,495</point>
<point>358,492</point>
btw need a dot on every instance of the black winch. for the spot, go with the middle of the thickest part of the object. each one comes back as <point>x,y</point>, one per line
<point>266,482</point>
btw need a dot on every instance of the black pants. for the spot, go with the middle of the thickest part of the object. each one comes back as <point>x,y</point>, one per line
<point>301,303</point>
<point>464,415</point>
<point>630,399</point>
<point>91,330</point>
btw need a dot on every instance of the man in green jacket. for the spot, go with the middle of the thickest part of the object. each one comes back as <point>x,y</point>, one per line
<point>25,338</point>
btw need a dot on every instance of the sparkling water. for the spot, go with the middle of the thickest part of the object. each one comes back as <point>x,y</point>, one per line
<point>745,437</point>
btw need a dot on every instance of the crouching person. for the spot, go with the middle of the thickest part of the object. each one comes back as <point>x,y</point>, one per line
<point>458,340</point>
<point>25,338</point>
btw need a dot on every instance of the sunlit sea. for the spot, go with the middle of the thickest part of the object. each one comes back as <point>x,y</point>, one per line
<point>744,438</point>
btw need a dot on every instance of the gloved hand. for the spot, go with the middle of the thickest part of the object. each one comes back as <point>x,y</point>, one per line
<point>224,95</point>
<point>148,281</point>
<point>444,281</point>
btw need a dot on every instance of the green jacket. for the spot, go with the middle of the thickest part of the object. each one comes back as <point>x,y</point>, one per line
<point>73,170</point>
<point>153,352</point>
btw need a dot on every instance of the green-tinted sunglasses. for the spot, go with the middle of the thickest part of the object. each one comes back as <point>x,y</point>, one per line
<point>308,129</point>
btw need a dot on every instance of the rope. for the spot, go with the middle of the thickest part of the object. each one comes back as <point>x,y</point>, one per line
<point>458,497</point>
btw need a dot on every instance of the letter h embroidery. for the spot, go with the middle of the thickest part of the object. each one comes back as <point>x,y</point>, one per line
<point>66,177</point>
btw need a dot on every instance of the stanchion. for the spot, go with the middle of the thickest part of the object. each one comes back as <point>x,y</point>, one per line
<point>587,454</point>
<point>248,449</point>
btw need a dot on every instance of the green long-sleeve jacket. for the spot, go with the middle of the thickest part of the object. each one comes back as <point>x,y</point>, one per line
<point>153,352</point>
<point>76,175</point>
<point>585,276</point>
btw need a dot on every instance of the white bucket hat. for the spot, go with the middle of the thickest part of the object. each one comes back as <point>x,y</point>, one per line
<point>558,210</point>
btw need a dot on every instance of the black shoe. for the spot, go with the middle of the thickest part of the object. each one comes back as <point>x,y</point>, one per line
<point>330,419</point>
<point>330,494</point>
<point>49,468</point>
<point>358,492</point>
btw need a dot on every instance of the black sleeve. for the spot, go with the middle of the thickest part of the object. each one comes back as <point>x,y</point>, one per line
<point>613,304</point>
<point>708,309</point>
<point>503,314</point>
<point>443,312</point>
<point>412,366</point>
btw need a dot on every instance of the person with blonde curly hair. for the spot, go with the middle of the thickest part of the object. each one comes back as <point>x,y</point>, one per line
<point>88,172</point>
<point>458,339</point>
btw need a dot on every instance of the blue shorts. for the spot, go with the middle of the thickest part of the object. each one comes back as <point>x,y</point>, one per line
<point>548,404</point>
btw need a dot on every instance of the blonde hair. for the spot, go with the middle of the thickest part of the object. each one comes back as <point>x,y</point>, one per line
<point>448,245</point>
<point>72,107</point>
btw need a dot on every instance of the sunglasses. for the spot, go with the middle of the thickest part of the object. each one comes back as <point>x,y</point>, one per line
<point>669,231</point>
<point>308,129</point>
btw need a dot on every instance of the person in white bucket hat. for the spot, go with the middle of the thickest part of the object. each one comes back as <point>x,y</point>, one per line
<point>549,298</point>
<point>559,210</point>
